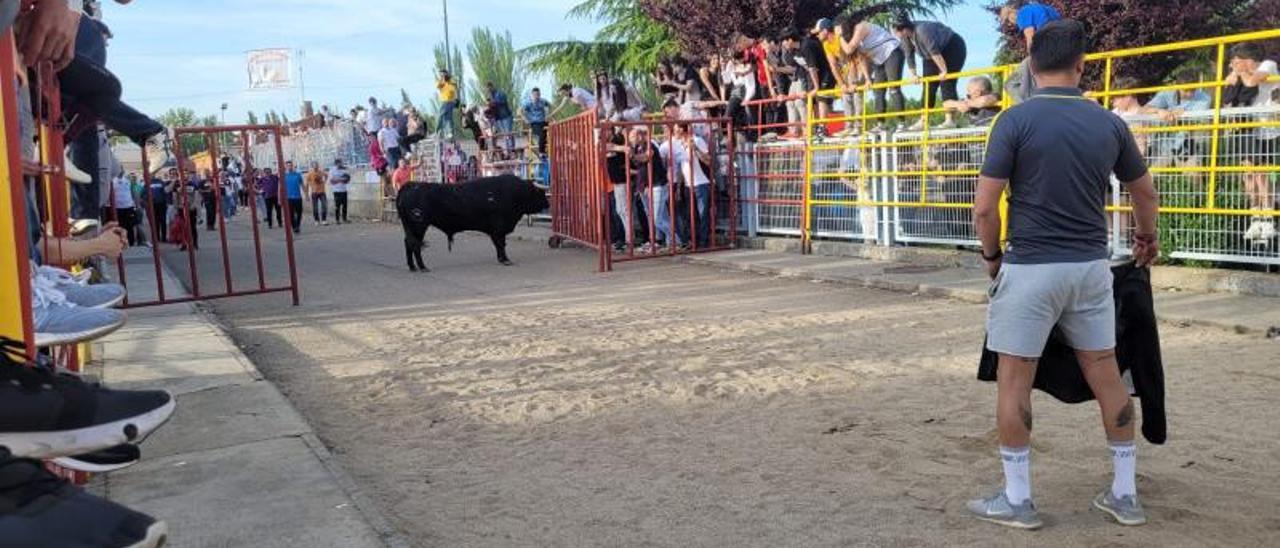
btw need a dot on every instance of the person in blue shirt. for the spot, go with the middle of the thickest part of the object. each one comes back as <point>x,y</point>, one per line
<point>503,121</point>
<point>293,191</point>
<point>1170,105</point>
<point>1028,17</point>
<point>534,113</point>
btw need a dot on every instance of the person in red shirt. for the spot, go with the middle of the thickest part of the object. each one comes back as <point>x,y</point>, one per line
<point>403,174</point>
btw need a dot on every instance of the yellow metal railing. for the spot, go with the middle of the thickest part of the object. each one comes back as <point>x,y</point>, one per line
<point>923,144</point>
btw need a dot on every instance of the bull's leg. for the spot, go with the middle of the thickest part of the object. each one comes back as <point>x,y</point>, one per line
<point>500,244</point>
<point>410,249</point>
<point>417,256</point>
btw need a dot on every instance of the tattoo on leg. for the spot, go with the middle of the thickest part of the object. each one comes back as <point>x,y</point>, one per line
<point>1026,417</point>
<point>1125,418</point>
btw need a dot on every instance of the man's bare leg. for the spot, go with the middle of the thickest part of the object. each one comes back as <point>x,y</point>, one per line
<point>1102,372</point>
<point>1013,507</point>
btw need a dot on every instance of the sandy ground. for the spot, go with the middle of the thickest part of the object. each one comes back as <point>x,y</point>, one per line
<point>677,405</point>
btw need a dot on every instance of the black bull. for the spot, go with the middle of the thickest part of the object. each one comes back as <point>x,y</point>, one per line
<point>492,205</point>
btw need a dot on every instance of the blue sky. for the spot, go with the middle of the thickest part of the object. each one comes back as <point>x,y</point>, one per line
<point>192,53</point>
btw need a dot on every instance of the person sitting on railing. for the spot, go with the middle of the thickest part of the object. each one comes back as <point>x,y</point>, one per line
<point>1169,105</point>
<point>534,113</point>
<point>1028,17</point>
<point>664,79</point>
<point>686,80</point>
<point>942,50</point>
<point>1251,84</point>
<point>711,75</point>
<point>415,128</point>
<point>876,55</point>
<point>981,104</point>
<point>573,94</point>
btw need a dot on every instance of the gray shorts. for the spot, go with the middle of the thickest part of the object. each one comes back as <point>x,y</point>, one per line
<point>1028,300</point>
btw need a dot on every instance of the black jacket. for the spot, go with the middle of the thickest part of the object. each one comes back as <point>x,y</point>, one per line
<point>1137,350</point>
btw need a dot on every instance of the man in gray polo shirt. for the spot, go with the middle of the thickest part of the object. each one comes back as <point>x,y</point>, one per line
<point>1055,153</point>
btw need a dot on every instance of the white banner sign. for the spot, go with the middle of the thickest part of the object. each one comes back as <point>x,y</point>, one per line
<point>270,69</point>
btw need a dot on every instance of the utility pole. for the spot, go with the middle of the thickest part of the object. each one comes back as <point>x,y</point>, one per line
<point>448,51</point>
<point>302,84</point>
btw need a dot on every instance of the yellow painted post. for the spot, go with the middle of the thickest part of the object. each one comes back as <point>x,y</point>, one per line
<point>924,143</point>
<point>805,234</point>
<point>1005,103</point>
<point>15,288</point>
<point>1212,199</point>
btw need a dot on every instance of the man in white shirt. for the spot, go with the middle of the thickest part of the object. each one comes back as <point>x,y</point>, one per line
<point>1250,84</point>
<point>126,212</point>
<point>373,118</point>
<point>389,140</point>
<point>339,180</point>
<point>576,95</point>
<point>690,153</point>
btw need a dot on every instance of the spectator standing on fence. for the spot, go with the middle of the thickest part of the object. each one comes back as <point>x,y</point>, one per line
<point>269,185</point>
<point>821,73</point>
<point>942,51</point>
<point>876,55</point>
<point>1247,86</point>
<point>315,180</point>
<point>534,113</point>
<point>293,192</point>
<point>791,68</point>
<point>125,207</point>
<point>1055,153</point>
<point>1027,17</point>
<point>389,140</point>
<point>448,91</point>
<point>339,180</point>
<point>980,104</point>
<point>373,118</point>
<point>503,117</point>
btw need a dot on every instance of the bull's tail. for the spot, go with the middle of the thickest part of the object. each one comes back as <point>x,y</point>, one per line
<point>450,242</point>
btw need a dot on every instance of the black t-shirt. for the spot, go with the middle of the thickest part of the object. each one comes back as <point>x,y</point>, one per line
<point>616,162</point>
<point>640,168</point>
<point>816,57</point>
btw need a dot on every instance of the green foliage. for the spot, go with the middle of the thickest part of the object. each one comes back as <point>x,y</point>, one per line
<point>253,118</point>
<point>493,59</point>
<point>630,43</point>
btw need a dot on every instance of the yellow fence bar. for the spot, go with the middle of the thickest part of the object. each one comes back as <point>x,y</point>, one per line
<point>1215,140</point>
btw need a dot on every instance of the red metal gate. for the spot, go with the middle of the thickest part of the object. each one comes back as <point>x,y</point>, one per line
<point>215,187</point>
<point>577,184</point>
<point>684,216</point>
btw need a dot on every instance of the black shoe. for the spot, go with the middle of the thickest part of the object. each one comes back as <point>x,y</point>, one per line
<point>38,508</point>
<point>106,460</point>
<point>46,415</point>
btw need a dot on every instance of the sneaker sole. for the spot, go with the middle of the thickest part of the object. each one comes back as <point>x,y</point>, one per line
<point>65,443</point>
<point>1013,524</point>
<point>110,304</point>
<point>50,339</point>
<point>1116,516</point>
<point>157,535</point>
<point>93,468</point>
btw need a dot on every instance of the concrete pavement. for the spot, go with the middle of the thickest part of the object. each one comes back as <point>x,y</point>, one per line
<point>236,465</point>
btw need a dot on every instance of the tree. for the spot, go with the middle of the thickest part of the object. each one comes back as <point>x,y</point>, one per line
<point>253,118</point>
<point>184,117</point>
<point>1121,24</point>
<point>404,99</point>
<point>630,44</point>
<point>493,59</point>
<point>709,26</point>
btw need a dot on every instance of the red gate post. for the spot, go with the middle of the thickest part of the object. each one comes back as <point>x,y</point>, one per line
<point>288,233</point>
<point>185,212</point>
<point>251,190</point>
<point>212,146</point>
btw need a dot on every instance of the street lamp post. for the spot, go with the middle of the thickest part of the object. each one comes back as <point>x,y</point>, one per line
<point>448,52</point>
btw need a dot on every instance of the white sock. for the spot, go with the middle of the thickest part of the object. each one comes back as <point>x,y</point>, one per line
<point>1017,473</point>
<point>1124,456</point>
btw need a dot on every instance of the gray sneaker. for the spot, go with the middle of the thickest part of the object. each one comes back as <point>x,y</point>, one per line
<point>1126,510</point>
<point>57,321</point>
<point>78,291</point>
<point>997,509</point>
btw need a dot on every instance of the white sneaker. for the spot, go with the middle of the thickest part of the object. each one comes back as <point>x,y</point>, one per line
<point>918,126</point>
<point>947,124</point>
<point>1254,232</point>
<point>1268,231</point>
<point>74,174</point>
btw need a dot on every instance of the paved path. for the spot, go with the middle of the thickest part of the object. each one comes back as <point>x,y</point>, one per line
<point>236,465</point>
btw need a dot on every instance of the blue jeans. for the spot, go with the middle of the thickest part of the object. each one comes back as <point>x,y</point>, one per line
<point>658,207</point>
<point>504,126</point>
<point>446,117</point>
<point>702,197</point>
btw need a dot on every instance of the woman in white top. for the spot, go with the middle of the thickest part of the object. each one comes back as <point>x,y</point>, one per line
<point>878,54</point>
